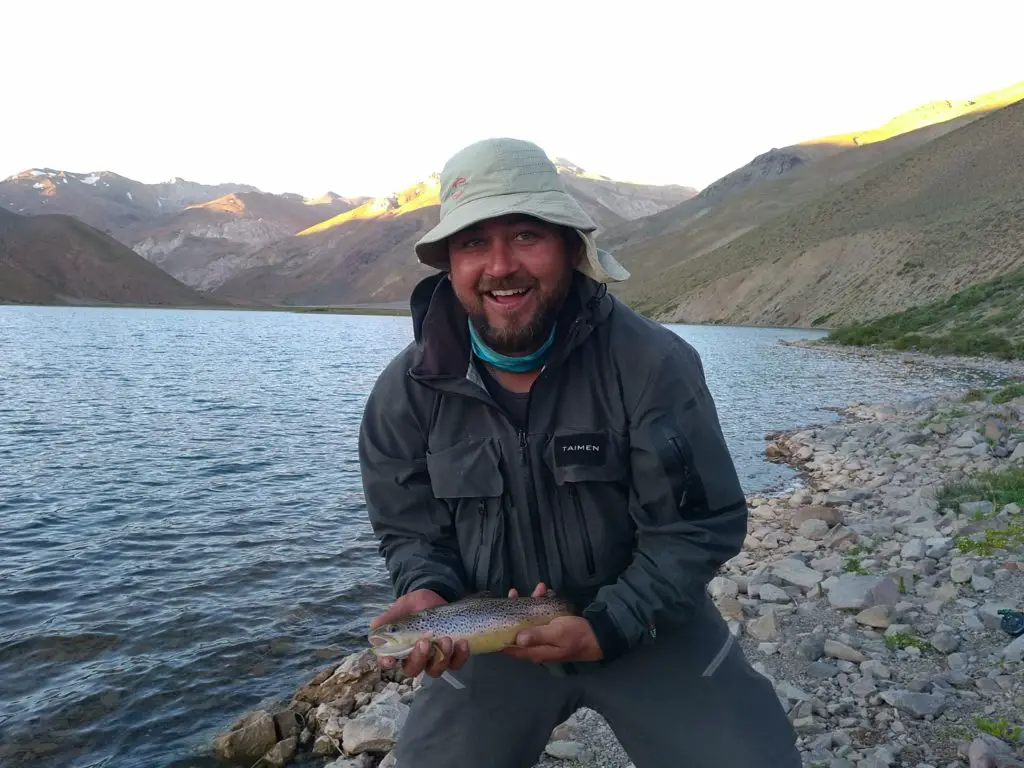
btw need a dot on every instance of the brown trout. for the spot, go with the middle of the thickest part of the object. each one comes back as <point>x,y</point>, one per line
<point>487,623</point>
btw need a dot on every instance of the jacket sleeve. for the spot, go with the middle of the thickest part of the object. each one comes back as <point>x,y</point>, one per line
<point>686,501</point>
<point>415,530</point>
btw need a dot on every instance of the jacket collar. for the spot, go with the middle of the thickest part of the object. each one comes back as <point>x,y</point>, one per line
<point>442,339</point>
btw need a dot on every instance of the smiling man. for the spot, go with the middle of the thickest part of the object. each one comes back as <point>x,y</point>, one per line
<point>538,434</point>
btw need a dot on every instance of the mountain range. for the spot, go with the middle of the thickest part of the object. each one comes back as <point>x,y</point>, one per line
<point>830,230</point>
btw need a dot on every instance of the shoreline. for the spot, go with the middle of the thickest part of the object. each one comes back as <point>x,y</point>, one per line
<point>857,593</point>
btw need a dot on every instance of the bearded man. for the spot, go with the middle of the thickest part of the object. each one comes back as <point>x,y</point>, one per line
<point>537,434</point>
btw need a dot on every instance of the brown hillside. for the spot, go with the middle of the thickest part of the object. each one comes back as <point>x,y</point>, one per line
<point>56,259</point>
<point>915,227</point>
<point>899,134</point>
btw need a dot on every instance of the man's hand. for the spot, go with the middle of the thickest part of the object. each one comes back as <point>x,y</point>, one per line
<point>422,656</point>
<point>563,639</point>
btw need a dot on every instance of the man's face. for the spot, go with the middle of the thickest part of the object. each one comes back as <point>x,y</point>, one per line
<point>511,274</point>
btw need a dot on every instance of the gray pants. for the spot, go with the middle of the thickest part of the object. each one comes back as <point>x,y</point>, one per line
<point>690,699</point>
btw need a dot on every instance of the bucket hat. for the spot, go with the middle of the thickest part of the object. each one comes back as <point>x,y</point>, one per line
<point>499,176</point>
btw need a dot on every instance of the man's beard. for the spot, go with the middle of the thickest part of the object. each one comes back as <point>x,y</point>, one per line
<point>521,340</point>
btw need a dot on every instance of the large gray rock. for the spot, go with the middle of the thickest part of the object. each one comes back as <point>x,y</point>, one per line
<point>376,727</point>
<point>795,572</point>
<point>248,740</point>
<point>858,591</point>
<point>919,705</point>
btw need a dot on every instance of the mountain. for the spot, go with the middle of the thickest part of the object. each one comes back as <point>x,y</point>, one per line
<point>57,259</point>
<point>365,254</point>
<point>197,243</point>
<point>832,242</point>
<point>104,200</point>
<point>912,128</point>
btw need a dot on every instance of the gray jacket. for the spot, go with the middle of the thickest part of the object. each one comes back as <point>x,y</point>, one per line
<point>620,495</point>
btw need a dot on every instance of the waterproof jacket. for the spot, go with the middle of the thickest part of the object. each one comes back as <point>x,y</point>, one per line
<point>620,493</point>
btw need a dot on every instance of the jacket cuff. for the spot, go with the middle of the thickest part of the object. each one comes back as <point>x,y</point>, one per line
<point>443,589</point>
<point>613,643</point>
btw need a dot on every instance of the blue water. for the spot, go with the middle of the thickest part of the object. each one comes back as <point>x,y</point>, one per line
<point>182,530</point>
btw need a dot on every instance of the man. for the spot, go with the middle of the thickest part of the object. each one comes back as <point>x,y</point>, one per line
<point>538,434</point>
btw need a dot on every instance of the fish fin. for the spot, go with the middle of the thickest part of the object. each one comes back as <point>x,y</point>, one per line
<point>452,681</point>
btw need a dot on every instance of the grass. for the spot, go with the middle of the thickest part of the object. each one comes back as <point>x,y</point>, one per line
<point>1001,488</point>
<point>1000,728</point>
<point>984,319</point>
<point>902,640</point>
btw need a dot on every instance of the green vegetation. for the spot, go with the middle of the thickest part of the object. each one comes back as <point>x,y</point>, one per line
<point>984,319</point>
<point>1000,728</point>
<point>1001,488</point>
<point>853,565</point>
<point>1008,393</point>
<point>901,640</point>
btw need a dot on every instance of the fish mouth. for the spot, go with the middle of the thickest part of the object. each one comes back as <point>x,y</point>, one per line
<point>387,646</point>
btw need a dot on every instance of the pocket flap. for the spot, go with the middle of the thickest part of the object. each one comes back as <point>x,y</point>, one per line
<point>468,469</point>
<point>596,455</point>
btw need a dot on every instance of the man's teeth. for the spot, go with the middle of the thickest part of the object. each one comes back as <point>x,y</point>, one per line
<point>514,292</point>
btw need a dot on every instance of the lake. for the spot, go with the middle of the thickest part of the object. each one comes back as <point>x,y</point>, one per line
<point>182,528</point>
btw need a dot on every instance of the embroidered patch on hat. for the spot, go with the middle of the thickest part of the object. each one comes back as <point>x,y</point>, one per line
<point>457,188</point>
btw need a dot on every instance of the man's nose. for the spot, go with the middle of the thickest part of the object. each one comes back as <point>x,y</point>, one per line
<point>501,259</point>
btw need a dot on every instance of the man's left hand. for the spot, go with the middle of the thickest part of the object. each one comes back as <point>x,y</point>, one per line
<point>563,639</point>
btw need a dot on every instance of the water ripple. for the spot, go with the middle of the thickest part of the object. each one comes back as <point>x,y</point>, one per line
<point>182,528</point>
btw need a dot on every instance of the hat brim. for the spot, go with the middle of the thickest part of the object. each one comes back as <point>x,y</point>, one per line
<point>553,207</point>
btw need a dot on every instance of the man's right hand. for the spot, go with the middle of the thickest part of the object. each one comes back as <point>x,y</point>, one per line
<point>422,656</point>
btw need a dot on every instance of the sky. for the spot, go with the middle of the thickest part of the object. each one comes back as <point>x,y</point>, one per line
<point>366,98</point>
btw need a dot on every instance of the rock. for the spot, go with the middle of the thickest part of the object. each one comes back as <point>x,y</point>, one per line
<point>961,570</point>
<point>288,723</point>
<point>968,439</point>
<point>813,529</point>
<point>838,650</point>
<point>975,508</point>
<point>282,752</point>
<point>1010,509</point>
<point>811,648</point>
<point>565,750</point>
<point>764,628</point>
<point>389,761</point>
<point>720,587</point>
<point>325,745</point>
<point>829,515</point>
<point>772,594</point>
<point>981,583</point>
<point>795,572</point>
<point>731,608</point>
<point>945,642</point>
<point>919,705</point>
<point>938,547</point>
<point>838,536</point>
<point>858,591</point>
<point>375,728</point>
<point>914,549</point>
<point>989,613</point>
<point>1015,650</point>
<point>357,673</point>
<point>249,738</point>
<point>986,751</point>
<point>877,616</point>
<point>1018,452</point>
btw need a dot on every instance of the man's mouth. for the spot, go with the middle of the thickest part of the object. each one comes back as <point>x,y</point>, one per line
<point>510,298</point>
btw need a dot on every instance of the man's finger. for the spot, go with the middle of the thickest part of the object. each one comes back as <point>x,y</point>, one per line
<point>417,659</point>
<point>548,634</point>
<point>536,653</point>
<point>460,654</point>
<point>539,590</point>
<point>513,592</point>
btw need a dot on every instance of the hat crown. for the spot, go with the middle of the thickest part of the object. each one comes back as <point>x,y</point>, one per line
<point>497,166</point>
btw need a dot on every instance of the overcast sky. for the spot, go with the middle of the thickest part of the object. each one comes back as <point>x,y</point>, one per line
<point>368,97</point>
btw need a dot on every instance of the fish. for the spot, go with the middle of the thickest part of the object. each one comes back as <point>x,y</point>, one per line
<point>487,624</point>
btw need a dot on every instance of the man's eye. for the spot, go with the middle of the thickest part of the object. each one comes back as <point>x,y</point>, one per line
<point>526,234</point>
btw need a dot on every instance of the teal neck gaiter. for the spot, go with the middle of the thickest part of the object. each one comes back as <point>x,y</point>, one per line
<point>530,362</point>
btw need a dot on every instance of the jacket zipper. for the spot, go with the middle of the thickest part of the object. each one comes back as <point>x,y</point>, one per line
<point>482,509</point>
<point>524,461</point>
<point>588,549</point>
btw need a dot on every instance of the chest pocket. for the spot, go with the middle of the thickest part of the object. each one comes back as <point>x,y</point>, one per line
<point>591,475</point>
<point>467,477</point>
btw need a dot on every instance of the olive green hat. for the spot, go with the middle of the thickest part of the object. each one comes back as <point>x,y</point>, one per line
<point>499,176</point>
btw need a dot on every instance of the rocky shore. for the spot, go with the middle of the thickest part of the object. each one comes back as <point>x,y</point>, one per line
<point>870,596</point>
